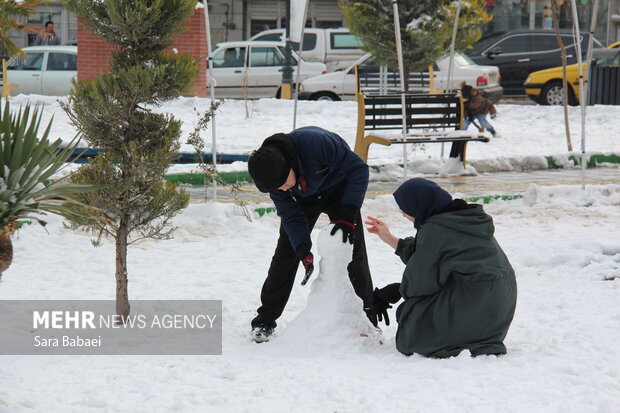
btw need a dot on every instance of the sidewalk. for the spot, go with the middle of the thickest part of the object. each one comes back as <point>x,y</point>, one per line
<point>500,184</point>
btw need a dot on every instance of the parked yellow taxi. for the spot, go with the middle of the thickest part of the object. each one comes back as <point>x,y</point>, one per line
<point>545,86</point>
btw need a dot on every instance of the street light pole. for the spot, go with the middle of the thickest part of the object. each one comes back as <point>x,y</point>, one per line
<point>287,70</point>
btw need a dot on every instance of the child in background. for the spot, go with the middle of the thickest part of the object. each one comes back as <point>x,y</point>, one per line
<point>476,109</point>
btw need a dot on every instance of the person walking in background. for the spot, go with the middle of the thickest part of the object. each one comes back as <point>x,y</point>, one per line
<point>48,37</point>
<point>307,172</point>
<point>459,288</point>
<point>476,108</point>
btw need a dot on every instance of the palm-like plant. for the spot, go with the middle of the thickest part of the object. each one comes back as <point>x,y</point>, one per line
<point>26,164</point>
<point>10,11</point>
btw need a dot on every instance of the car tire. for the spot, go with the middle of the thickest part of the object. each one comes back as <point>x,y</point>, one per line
<point>325,96</point>
<point>553,94</point>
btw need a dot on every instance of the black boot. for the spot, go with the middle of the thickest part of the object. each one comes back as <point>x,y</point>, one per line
<point>262,330</point>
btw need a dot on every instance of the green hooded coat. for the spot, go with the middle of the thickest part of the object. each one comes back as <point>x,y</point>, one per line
<point>459,288</point>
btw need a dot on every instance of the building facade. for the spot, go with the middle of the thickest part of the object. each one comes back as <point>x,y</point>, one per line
<point>65,24</point>
<point>537,14</point>
<point>239,19</point>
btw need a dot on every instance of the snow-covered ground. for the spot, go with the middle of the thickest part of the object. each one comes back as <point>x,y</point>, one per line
<point>527,132</point>
<point>563,346</point>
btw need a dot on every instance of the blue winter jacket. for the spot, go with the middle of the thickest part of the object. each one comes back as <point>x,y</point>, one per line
<point>325,162</point>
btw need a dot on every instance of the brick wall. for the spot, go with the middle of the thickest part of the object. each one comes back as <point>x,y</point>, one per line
<point>94,53</point>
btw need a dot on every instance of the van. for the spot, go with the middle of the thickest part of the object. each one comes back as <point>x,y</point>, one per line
<point>336,48</point>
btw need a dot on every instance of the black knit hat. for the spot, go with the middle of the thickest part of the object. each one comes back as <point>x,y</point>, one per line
<point>268,168</point>
<point>466,92</point>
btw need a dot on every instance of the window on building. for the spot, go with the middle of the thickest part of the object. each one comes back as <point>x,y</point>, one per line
<point>61,61</point>
<point>328,24</point>
<point>265,56</point>
<point>257,26</point>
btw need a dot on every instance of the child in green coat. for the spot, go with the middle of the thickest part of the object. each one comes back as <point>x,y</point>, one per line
<point>458,287</point>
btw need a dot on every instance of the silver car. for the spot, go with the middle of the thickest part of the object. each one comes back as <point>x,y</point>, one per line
<point>340,85</point>
<point>254,69</point>
<point>45,70</point>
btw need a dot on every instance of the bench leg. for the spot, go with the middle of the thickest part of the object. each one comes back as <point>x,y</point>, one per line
<point>459,149</point>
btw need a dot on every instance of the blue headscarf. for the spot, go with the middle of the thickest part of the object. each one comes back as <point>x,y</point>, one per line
<point>421,198</point>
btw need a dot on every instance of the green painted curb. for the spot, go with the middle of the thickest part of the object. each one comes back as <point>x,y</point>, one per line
<point>593,162</point>
<point>199,178</point>
<point>483,199</point>
<point>263,211</point>
<point>488,199</point>
<point>244,176</point>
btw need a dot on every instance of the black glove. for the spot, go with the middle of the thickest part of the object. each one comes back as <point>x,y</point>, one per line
<point>380,308</point>
<point>307,260</point>
<point>345,221</point>
<point>382,298</point>
<point>493,116</point>
<point>372,315</point>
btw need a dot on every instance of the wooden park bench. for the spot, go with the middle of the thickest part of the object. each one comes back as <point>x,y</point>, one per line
<point>430,118</point>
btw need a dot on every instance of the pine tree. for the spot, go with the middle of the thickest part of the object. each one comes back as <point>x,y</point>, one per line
<point>426,28</point>
<point>114,112</point>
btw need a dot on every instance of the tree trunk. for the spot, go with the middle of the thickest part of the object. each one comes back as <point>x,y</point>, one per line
<point>122,300</point>
<point>556,27</point>
<point>6,251</point>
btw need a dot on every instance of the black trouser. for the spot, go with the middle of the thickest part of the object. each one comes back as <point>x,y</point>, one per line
<point>281,276</point>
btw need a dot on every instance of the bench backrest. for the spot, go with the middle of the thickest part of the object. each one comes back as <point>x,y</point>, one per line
<point>373,82</point>
<point>423,111</point>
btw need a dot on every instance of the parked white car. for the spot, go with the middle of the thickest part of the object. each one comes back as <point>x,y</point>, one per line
<point>45,70</point>
<point>337,48</point>
<point>341,85</point>
<point>254,69</point>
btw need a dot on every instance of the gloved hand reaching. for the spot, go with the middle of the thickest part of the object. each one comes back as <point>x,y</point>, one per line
<point>372,315</point>
<point>382,298</point>
<point>380,308</point>
<point>307,260</point>
<point>345,221</point>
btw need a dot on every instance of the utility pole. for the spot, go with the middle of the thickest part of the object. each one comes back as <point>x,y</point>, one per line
<point>287,70</point>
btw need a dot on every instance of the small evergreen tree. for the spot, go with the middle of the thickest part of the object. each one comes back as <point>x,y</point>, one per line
<point>114,112</point>
<point>426,29</point>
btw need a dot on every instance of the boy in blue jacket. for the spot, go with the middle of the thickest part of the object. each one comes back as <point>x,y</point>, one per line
<point>308,172</point>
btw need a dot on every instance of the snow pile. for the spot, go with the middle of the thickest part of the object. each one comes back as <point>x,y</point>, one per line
<point>333,317</point>
<point>572,196</point>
